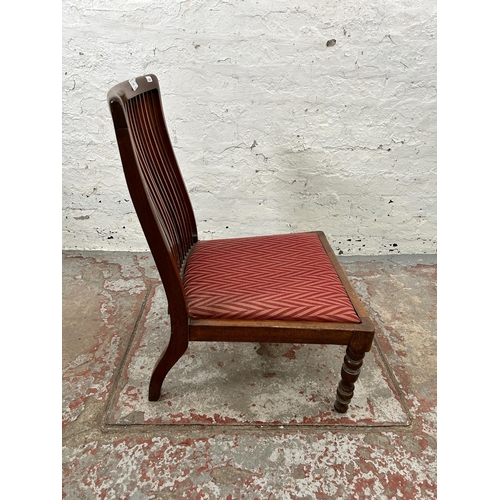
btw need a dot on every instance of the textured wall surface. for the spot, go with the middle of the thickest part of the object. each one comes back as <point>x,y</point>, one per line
<point>285,116</point>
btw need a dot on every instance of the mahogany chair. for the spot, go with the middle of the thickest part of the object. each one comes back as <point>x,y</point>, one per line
<point>268,289</point>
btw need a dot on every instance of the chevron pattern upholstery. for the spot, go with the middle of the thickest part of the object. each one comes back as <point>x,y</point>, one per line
<point>281,277</point>
<point>281,288</point>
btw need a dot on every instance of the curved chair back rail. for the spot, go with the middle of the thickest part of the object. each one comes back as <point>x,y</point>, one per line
<point>166,215</point>
<point>153,177</point>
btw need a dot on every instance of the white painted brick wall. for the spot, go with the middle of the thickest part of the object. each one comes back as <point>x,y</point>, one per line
<point>274,130</point>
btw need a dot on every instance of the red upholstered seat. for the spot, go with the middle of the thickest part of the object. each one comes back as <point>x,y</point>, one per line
<point>282,277</point>
<point>275,289</point>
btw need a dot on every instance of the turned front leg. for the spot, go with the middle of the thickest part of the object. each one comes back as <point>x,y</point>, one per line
<point>351,367</point>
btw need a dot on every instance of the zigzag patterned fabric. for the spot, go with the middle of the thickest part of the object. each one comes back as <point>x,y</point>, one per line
<point>282,277</point>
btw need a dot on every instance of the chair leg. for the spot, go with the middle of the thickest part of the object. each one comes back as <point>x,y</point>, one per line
<point>351,367</point>
<point>173,352</point>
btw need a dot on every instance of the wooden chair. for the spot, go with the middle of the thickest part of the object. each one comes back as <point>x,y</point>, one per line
<point>268,289</point>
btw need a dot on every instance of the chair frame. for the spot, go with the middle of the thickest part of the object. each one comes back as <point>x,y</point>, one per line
<point>170,261</point>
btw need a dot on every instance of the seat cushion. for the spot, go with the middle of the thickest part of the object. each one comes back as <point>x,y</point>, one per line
<point>282,277</point>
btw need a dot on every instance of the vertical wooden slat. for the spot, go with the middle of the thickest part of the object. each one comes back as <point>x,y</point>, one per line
<point>161,174</point>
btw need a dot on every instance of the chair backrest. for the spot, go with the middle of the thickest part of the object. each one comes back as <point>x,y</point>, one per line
<point>153,177</point>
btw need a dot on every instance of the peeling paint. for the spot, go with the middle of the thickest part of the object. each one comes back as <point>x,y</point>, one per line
<point>343,96</point>
<point>145,459</point>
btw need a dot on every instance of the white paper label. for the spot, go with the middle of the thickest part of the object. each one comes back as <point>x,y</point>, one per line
<point>133,84</point>
<point>149,79</point>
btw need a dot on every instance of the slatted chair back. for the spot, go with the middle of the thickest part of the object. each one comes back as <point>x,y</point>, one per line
<point>166,216</point>
<point>153,177</point>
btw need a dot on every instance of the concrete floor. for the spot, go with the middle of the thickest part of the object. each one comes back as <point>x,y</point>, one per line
<point>244,421</point>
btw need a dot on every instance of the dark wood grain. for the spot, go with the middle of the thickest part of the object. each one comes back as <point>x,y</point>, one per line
<point>166,215</point>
